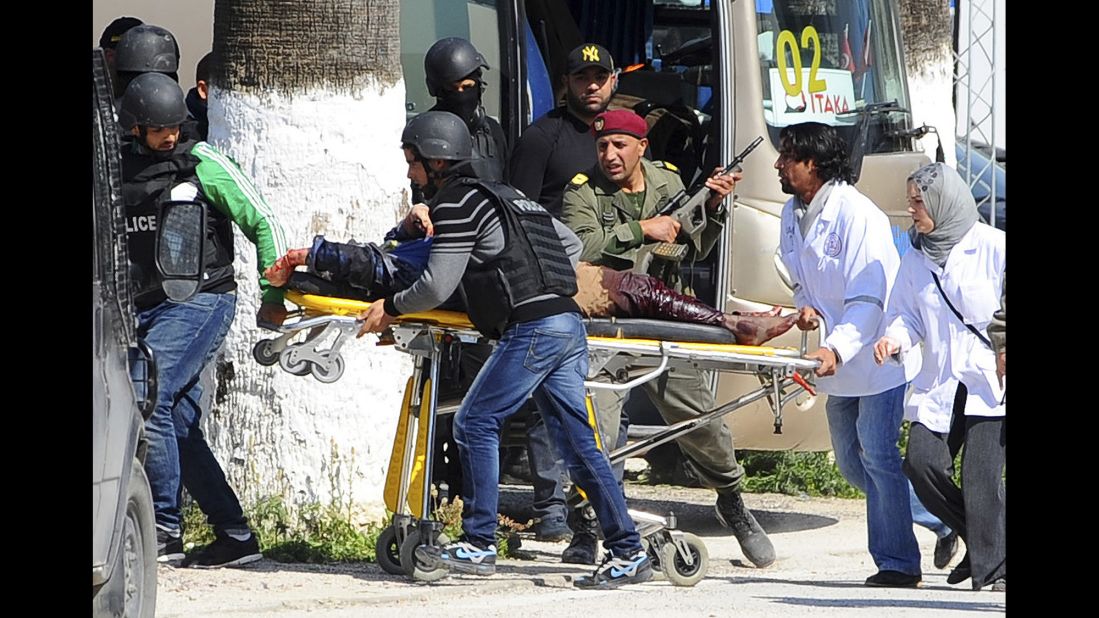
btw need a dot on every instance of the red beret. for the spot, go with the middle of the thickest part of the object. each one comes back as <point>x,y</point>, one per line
<point>619,121</point>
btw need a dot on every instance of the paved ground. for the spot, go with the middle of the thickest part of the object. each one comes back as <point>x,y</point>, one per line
<point>822,562</point>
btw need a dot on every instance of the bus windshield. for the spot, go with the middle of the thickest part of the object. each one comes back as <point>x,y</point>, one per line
<point>820,61</point>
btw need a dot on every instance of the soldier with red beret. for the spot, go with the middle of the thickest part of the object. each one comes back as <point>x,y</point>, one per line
<point>613,209</point>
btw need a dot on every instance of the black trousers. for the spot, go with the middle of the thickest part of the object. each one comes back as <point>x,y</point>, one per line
<point>976,511</point>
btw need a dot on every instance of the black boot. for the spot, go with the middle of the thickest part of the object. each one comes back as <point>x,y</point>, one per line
<point>585,530</point>
<point>732,513</point>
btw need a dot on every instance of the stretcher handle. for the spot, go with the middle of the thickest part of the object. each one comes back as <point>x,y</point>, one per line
<point>802,382</point>
<point>319,320</point>
<point>625,386</point>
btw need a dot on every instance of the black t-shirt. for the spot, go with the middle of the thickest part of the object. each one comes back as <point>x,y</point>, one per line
<point>550,152</point>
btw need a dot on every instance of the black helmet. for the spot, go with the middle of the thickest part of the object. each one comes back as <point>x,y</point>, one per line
<point>147,48</point>
<point>449,60</point>
<point>152,100</point>
<point>438,135</point>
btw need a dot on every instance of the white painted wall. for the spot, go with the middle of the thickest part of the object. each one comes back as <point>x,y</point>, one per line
<point>929,94</point>
<point>327,164</point>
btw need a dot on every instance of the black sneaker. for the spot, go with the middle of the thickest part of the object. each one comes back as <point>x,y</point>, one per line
<point>460,557</point>
<point>945,548</point>
<point>893,579</point>
<point>225,551</point>
<point>615,572</point>
<point>732,513</point>
<point>169,547</point>
<point>552,529</point>
<point>1000,585</point>
<point>581,549</point>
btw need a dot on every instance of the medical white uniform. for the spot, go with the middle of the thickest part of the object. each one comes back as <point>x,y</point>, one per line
<point>844,267</point>
<point>972,279</point>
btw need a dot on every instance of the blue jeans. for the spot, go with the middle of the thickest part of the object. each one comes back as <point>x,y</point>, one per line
<point>864,432</point>
<point>184,338</point>
<point>547,359</point>
<point>545,471</point>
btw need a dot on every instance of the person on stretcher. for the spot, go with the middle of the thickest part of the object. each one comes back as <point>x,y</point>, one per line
<point>369,272</point>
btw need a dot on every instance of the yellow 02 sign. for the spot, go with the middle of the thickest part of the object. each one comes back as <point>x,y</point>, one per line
<point>787,40</point>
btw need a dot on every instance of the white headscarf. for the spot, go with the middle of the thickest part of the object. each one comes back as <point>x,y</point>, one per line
<point>949,204</point>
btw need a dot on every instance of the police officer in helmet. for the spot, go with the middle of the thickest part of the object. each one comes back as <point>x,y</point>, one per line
<point>513,263</point>
<point>453,70</point>
<point>160,163</point>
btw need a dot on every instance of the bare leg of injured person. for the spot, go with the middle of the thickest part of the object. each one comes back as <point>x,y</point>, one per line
<point>602,292</point>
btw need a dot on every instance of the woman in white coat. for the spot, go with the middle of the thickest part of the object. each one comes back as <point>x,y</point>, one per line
<point>947,289</point>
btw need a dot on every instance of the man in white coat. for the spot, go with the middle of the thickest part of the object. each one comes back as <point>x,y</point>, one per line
<point>838,247</point>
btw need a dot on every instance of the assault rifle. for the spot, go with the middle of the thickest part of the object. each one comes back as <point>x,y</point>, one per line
<point>689,208</point>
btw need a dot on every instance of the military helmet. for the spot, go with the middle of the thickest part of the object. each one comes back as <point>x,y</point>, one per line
<point>147,48</point>
<point>438,135</point>
<point>448,61</point>
<point>152,100</point>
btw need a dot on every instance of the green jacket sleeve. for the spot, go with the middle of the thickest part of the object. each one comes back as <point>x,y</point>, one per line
<point>580,212</point>
<point>230,191</point>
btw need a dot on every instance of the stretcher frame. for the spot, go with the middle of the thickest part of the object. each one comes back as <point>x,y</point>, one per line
<point>432,335</point>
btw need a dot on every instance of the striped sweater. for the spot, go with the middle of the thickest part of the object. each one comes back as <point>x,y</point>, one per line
<point>468,233</point>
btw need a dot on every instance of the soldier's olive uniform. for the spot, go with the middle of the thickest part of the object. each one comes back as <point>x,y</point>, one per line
<point>607,221</point>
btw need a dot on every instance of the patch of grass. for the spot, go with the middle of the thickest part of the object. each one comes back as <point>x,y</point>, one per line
<point>786,472</point>
<point>449,512</point>
<point>507,530</point>
<point>319,534</point>
<point>507,536</point>
<point>314,534</point>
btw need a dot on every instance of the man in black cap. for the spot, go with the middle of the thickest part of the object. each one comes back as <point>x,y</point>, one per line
<point>549,153</point>
<point>559,144</point>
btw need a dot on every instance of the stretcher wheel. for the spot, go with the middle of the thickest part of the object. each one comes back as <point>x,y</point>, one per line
<point>412,567</point>
<point>328,376</point>
<point>264,352</point>
<point>299,368</point>
<point>389,552</point>
<point>677,570</point>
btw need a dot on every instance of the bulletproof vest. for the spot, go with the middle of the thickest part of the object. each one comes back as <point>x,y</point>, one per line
<point>147,181</point>
<point>488,162</point>
<point>532,264</point>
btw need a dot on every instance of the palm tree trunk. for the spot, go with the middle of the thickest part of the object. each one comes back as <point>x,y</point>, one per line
<point>308,98</point>
<point>926,28</point>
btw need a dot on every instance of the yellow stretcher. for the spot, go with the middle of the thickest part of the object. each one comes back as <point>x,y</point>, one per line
<point>328,322</point>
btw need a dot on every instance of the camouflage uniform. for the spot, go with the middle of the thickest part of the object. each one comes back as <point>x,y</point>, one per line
<point>608,224</point>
